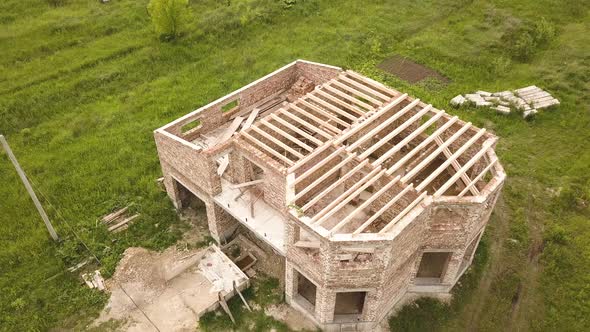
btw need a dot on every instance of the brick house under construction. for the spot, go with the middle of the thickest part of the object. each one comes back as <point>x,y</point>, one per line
<point>365,194</point>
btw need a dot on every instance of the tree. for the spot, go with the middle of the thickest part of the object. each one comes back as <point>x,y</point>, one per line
<point>168,17</point>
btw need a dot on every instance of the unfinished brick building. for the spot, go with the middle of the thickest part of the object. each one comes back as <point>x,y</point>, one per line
<point>365,194</point>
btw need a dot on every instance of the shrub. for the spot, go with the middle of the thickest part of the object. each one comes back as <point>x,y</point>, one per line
<point>524,39</point>
<point>168,17</point>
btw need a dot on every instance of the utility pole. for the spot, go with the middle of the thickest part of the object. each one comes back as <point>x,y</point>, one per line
<point>23,177</point>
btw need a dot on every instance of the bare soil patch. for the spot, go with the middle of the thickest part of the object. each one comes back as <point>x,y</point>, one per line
<point>409,70</point>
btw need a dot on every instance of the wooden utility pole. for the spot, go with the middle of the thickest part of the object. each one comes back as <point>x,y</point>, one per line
<point>23,177</point>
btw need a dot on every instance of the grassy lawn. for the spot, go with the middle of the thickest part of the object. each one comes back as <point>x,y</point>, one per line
<point>84,84</point>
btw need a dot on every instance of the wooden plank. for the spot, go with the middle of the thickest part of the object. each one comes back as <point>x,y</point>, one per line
<point>364,205</point>
<point>307,124</point>
<point>317,151</point>
<point>456,165</point>
<point>403,213</point>
<point>384,124</point>
<point>277,142</point>
<point>423,144</point>
<point>334,185</point>
<point>446,164</point>
<point>268,149</point>
<point>353,130</point>
<point>287,135</point>
<point>367,88</point>
<point>384,208</point>
<point>112,216</point>
<point>434,154</point>
<point>230,130</point>
<point>295,129</point>
<point>325,113</point>
<point>307,244</point>
<point>250,119</point>
<point>347,198</point>
<point>408,138</point>
<point>321,122</point>
<point>478,177</point>
<point>324,177</point>
<point>360,103</point>
<point>241,296</point>
<point>225,307</point>
<point>123,223</point>
<point>356,92</point>
<point>223,165</point>
<point>340,102</point>
<point>317,166</point>
<point>246,184</point>
<point>396,131</point>
<point>376,85</point>
<point>460,172</point>
<point>333,108</point>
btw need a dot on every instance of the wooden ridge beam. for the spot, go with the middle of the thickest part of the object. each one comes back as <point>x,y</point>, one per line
<point>276,141</point>
<point>335,202</point>
<point>478,177</point>
<point>332,108</point>
<point>408,138</point>
<point>434,154</point>
<point>340,102</point>
<point>295,129</point>
<point>423,144</point>
<point>265,147</point>
<point>364,205</point>
<point>306,124</point>
<point>323,177</point>
<point>467,166</point>
<point>446,164</point>
<point>353,130</point>
<point>286,135</point>
<point>384,208</point>
<point>334,185</point>
<point>403,213</point>
<point>384,124</point>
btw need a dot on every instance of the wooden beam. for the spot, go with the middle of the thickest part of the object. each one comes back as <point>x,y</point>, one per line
<point>478,177</point>
<point>455,155</point>
<point>223,165</point>
<point>320,122</point>
<point>334,185</point>
<point>295,129</point>
<point>317,151</point>
<point>324,113</point>
<point>268,149</point>
<point>423,144</point>
<point>355,91</point>
<point>376,85</point>
<point>349,98</point>
<point>456,166</point>
<point>349,198</point>
<point>276,141</point>
<point>250,119</point>
<point>307,124</point>
<point>286,135</point>
<point>324,177</point>
<point>364,205</point>
<point>403,213</point>
<point>339,102</point>
<point>367,88</point>
<point>407,139</point>
<point>384,124</point>
<point>307,244</point>
<point>230,130</point>
<point>353,130</point>
<point>333,108</point>
<point>396,131</point>
<point>345,194</point>
<point>467,166</point>
<point>433,155</point>
<point>383,209</point>
<point>246,184</point>
<point>317,166</point>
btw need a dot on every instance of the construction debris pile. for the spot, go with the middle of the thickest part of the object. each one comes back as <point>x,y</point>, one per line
<point>529,100</point>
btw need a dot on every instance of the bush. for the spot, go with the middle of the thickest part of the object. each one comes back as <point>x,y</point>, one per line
<point>523,40</point>
<point>168,17</point>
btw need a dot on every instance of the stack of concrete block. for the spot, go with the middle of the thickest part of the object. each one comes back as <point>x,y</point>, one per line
<point>528,100</point>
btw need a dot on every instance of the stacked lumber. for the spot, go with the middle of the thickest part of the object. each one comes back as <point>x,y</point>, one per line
<point>118,220</point>
<point>94,280</point>
<point>528,99</point>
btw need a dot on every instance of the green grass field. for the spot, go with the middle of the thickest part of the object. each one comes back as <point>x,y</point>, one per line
<point>84,84</point>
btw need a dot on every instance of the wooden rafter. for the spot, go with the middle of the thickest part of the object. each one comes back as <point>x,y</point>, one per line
<point>325,113</point>
<point>295,129</point>
<point>372,83</point>
<point>286,135</point>
<point>276,141</point>
<point>422,145</point>
<point>317,166</point>
<point>478,177</point>
<point>371,133</point>
<point>324,176</point>
<point>367,88</point>
<point>384,208</point>
<point>403,213</point>
<point>267,148</point>
<point>310,156</point>
<point>306,124</point>
<point>321,122</point>
<point>340,102</point>
<point>350,98</point>
<point>357,92</point>
<point>365,204</point>
<point>464,177</point>
<point>321,102</point>
<point>447,162</point>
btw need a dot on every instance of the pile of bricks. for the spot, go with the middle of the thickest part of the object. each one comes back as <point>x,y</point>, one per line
<point>529,100</point>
